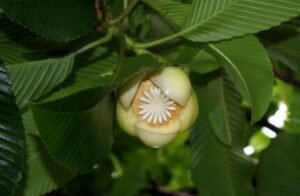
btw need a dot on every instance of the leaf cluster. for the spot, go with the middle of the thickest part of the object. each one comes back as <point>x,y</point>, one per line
<point>63,61</point>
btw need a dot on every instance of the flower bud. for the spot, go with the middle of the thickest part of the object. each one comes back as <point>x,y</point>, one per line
<point>158,106</point>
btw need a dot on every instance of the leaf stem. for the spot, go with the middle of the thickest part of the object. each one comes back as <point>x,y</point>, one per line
<point>140,51</point>
<point>124,14</point>
<point>102,40</point>
<point>157,42</point>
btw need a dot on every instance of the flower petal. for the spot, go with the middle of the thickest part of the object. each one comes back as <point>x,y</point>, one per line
<point>126,119</point>
<point>189,113</point>
<point>157,136</point>
<point>174,83</point>
<point>128,91</point>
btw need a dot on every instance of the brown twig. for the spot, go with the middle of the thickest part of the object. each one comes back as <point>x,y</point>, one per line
<point>286,77</point>
<point>157,190</point>
<point>265,123</point>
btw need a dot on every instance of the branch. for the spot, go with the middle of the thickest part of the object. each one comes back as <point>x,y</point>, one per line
<point>124,14</point>
<point>159,190</point>
<point>265,123</point>
<point>106,38</point>
<point>286,77</point>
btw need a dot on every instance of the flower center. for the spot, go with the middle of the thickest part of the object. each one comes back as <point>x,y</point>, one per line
<point>153,106</point>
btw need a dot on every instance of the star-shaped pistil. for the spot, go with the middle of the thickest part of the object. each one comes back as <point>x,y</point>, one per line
<point>155,107</point>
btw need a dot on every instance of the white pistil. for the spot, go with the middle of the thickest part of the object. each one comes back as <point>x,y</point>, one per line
<point>155,107</point>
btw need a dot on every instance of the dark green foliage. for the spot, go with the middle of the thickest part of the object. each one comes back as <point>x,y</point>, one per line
<point>65,60</point>
<point>59,20</point>
<point>11,138</point>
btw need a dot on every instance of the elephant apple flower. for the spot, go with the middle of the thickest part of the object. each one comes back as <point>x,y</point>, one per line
<point>156,107</point>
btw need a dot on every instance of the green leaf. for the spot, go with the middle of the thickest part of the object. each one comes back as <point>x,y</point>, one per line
<point>212,20</point>
<point>293,122</point>
<point>248,66</point>
<point>42,174</point>
<point>187,52</point>
<point>77,130</point>
<point>31,80</point>
<point>225,112</point>
<point>173,12</point>
<point>49,19</point>
<point>215,164</point>
<point>133,179</point>
<point>279,167</point>
<point>135,65</point>
<point>16,43</point>
<point>91,69</point>
<point>280,43</point>
<point>11,138</point>
<point>203,62</point>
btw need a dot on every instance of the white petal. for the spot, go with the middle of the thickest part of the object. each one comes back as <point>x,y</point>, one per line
<point>168,113</point>
<point>144,99</point>
<point>126,119</point>
<point>174,83</point>
<point>157,136</point>
<point>189,114</point>
<point>127,92</point>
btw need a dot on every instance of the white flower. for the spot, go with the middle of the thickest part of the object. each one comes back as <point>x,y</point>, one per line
<point>157,107</point>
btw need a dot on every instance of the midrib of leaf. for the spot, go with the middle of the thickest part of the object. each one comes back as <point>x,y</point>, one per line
<point>210,46</point>
<point>228,153</point>
<point>197,25</point>
<point>225,108</point>
<point>182,32</point>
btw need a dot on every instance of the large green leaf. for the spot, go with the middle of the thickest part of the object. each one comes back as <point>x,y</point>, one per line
<point>11,138</point>
<point>279,167</point>
<point>42,173</point>
<point>248,66</point>
<point>225,112</point>
<point>77,130</point>
<point>212,20</point>
<point>173,11</point>
<point>49,19</point>
<point>31,80</point>
<point>215,164</point>
<point>91,69</point>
